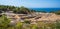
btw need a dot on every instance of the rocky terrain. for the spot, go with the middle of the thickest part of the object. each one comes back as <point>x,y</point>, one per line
<point>33,17</point>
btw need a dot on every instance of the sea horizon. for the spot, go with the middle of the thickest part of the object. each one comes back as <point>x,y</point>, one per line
<point>45,9</point>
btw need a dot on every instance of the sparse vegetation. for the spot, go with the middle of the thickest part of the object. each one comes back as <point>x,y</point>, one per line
<point>56,12</point>
<point>4,24</point>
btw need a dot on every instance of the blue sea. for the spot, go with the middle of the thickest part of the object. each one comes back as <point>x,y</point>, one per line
<point>45,9</point>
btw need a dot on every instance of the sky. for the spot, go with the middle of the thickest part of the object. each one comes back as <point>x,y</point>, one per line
<point>32,3</point>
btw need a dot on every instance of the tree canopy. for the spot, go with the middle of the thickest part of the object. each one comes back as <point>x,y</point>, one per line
<point>19,10</point>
